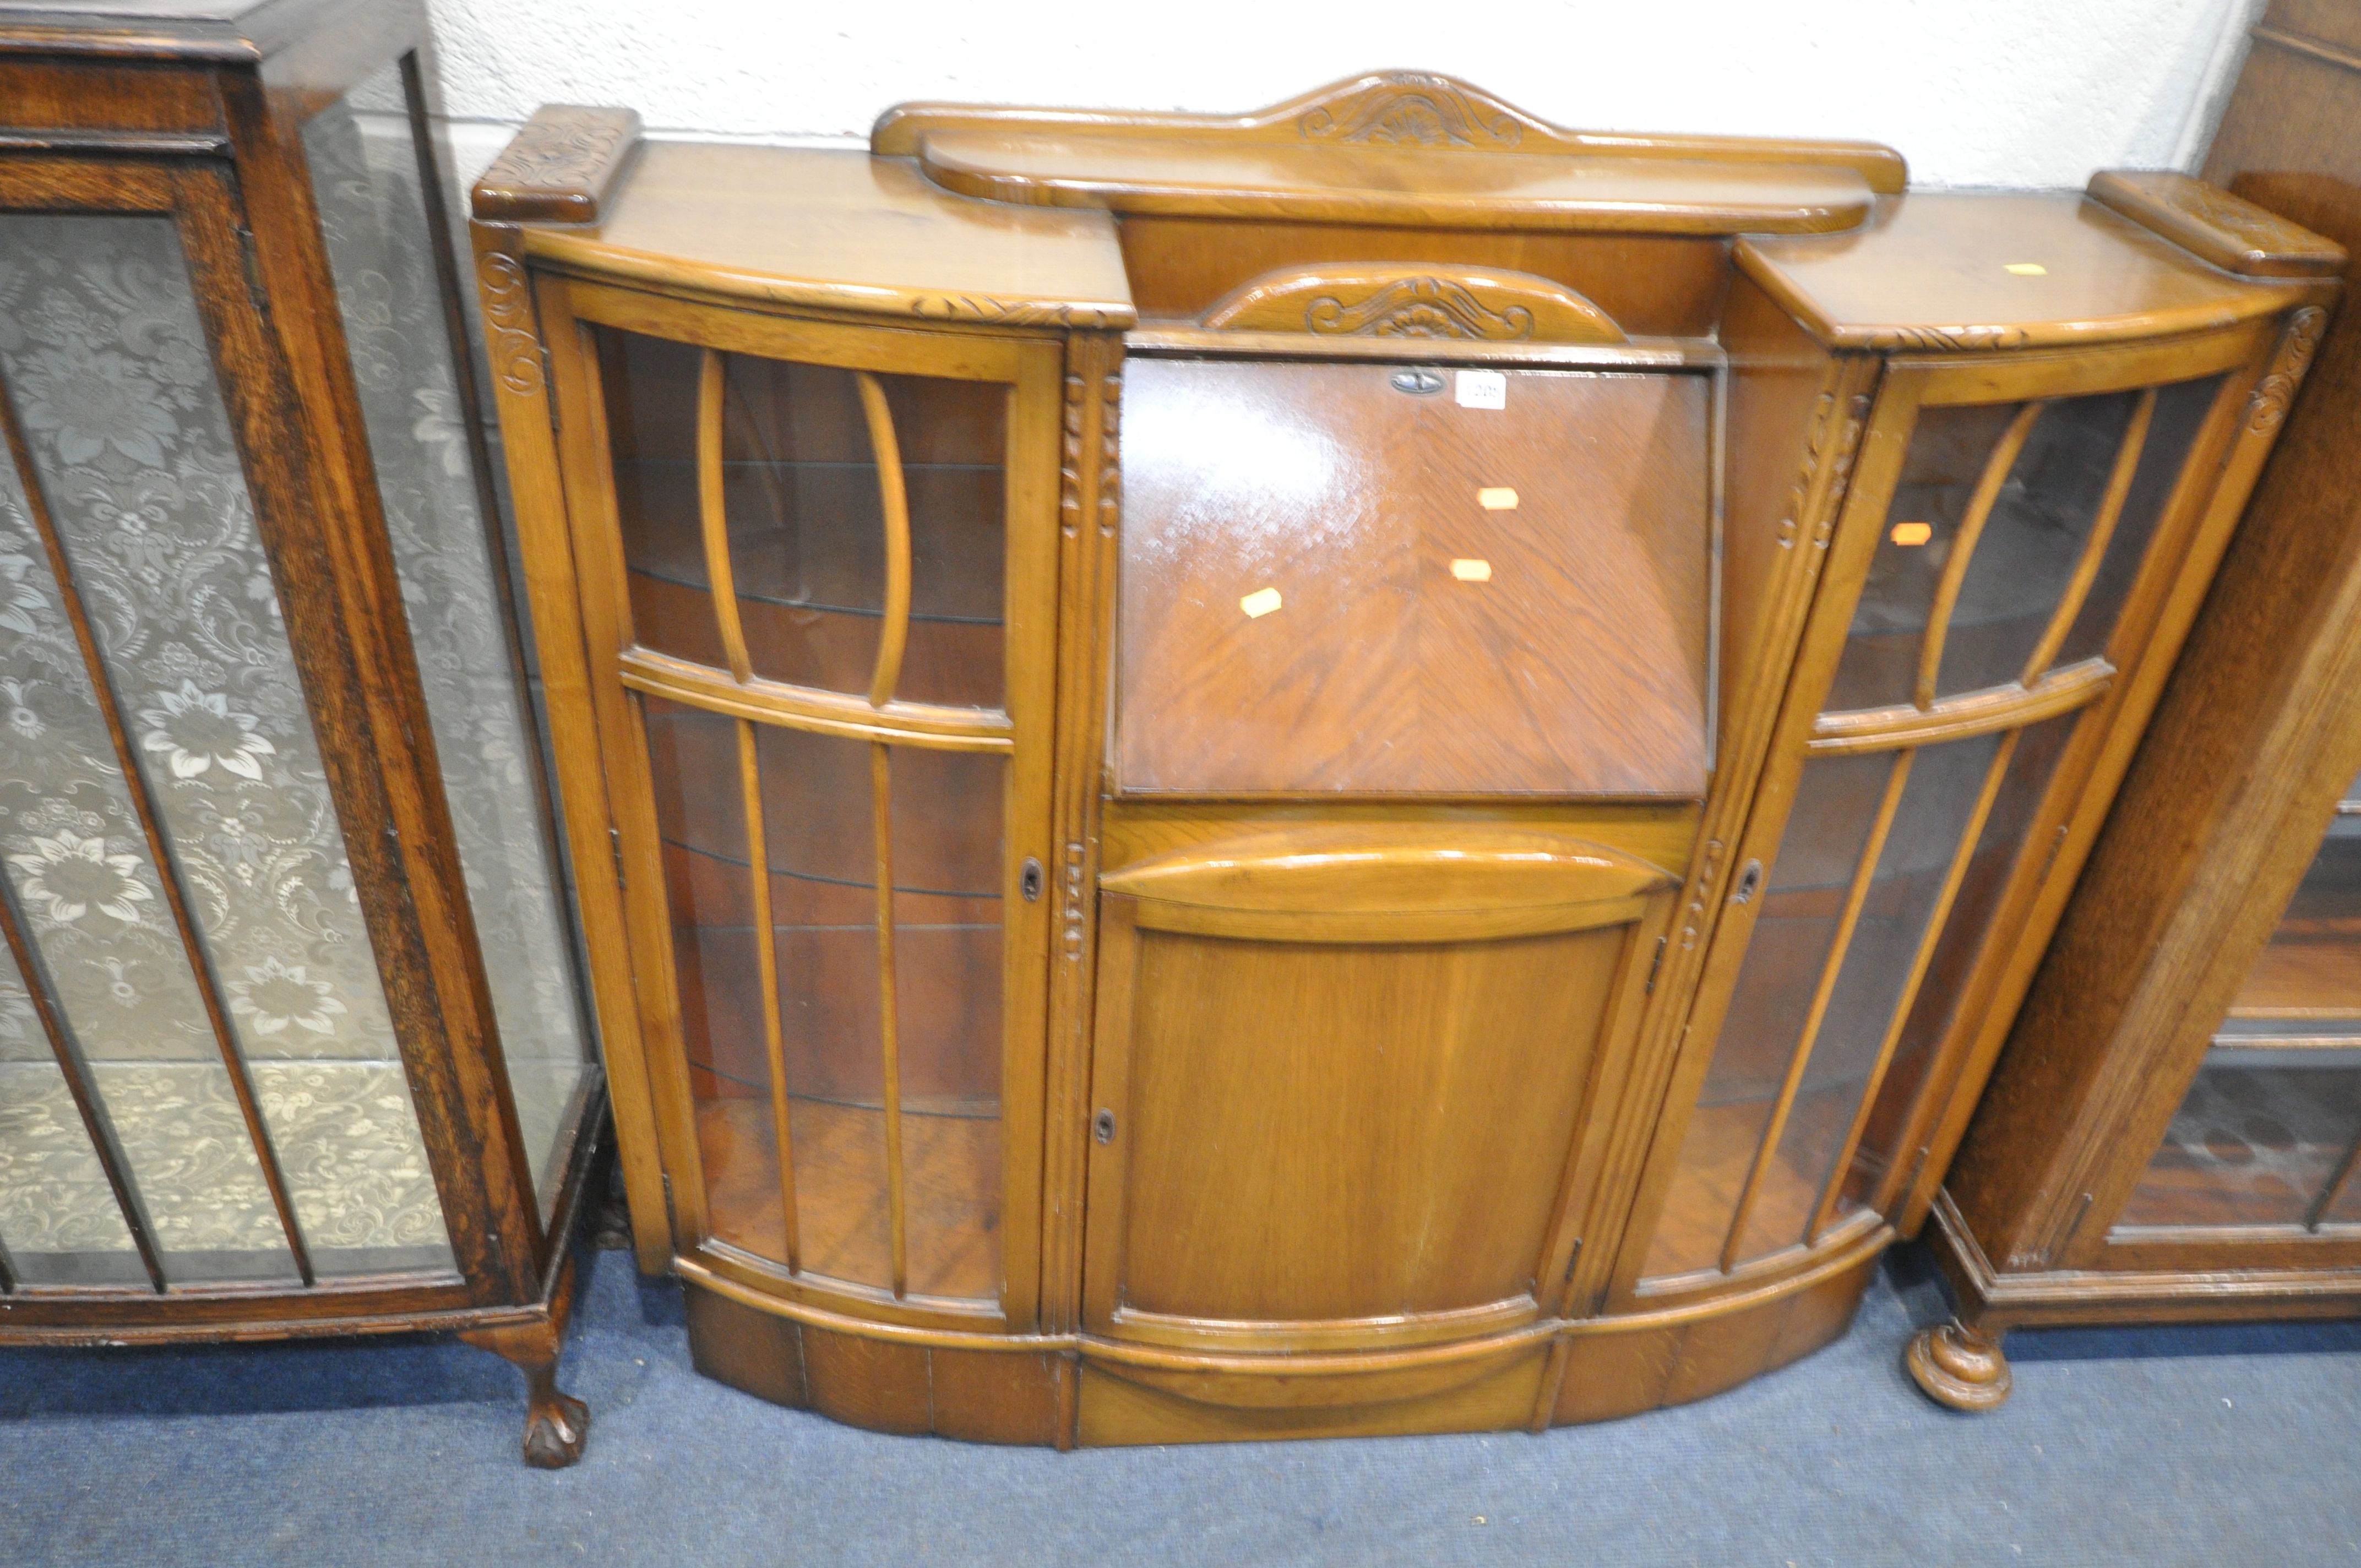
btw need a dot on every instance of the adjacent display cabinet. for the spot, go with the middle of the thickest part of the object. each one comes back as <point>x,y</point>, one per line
<point>2174,1128</point>
<point>1373,767</point>
<point>289,1038</point>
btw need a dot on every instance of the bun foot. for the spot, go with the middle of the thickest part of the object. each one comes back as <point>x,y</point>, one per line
<point>1959,1366</point>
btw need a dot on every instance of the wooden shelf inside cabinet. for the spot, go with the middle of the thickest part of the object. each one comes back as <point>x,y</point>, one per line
<point>304,1050</point>
<point>2174,1129</point>
<point>1369,767</point>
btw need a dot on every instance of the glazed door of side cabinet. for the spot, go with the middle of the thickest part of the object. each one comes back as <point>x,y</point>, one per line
<point>2259,1163</point>
<point>202,1081</point>
<point>818,566</point>
<point>2004,560</point>
<point>1340,1086</point>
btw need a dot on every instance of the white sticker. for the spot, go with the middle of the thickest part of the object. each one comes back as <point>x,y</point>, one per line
<point>1483,389</point>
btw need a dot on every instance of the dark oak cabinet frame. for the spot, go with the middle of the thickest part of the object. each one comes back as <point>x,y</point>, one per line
<point>1373,767</point>
<point>200,121</point>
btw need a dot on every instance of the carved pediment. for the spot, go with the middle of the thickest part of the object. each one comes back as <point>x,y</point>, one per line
<point>1413,302</point>
<point>1408,108</point>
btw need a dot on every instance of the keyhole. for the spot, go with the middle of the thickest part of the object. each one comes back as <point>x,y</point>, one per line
<point>1029,883</point>
<point>1103,1126</point>
<point>1749,880</point>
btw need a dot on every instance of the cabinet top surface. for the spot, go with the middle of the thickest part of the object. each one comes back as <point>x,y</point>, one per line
<point>1416,186</point>
<point>1958,271</point>
<point>195,29</point>
<point>847,229</point>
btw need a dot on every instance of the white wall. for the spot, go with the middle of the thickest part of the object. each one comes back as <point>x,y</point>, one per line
<point>1974,93</point>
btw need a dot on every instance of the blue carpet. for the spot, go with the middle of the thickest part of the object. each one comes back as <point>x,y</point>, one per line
<point>2153,1447</point>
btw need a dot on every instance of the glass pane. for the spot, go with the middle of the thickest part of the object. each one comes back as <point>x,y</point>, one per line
<point>2255,1142</point>
<point>946,815</point>
<point>1835,806</point>
<point>109,371</point>
<point>2030,545</point>
<point>1365,578</point>
<point>1958,948</point>
<point>1946,456</point>
<point>366,178</point>
<point>2307,980</point>
<point>2172,432</point>
<point>1938,802</point>
<point>59,1221</point>
<point>820,845</point>
<point>806,520</point>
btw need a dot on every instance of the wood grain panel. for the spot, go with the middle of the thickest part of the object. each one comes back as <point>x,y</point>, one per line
<point>1254,1167</point>
<point>1931,272</point>
<point>1115,1411</point>
<point>1575,664</point>
<point>1651,285</point>
<point>1408,187</point>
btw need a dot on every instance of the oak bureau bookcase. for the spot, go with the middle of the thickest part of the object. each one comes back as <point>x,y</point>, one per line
<point>1372,767</point>
<point>289,1036</point>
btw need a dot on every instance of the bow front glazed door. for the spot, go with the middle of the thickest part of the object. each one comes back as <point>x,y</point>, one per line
<point>816,565</point>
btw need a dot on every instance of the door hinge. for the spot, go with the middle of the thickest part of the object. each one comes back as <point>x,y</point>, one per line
<point>672,1221</point>
<point>1653,965</point>
<point>1571,1258</point>
<point>615,842</point>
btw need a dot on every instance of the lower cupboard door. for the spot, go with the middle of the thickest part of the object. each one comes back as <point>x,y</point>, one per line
<point>1340,1097</point>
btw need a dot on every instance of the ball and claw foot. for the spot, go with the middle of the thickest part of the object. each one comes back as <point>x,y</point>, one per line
<point>1959,1366</point>
<point>555,1422</point>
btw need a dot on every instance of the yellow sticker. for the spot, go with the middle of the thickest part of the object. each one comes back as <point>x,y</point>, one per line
<point>1469,571</point>
<point>2026,268</point>
<point>1912,532</point>
<point>1496,497</point>
<point>1259,603</point>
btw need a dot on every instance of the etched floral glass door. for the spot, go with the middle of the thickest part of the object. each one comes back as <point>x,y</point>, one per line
<point>199,1078</point>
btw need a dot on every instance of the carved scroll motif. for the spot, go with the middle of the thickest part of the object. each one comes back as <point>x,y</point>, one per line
<point>1417,307</point>
<point>1407,109</point>
<point>1110,446</point>
<point>1400,302</point>
<point>558,166</point>
<point>1832,441</point>
<point>1010,313</point>
<point>1952,339</point>
<point>2267,409</point>
<point>515,352</point>
<point>1694,916</point>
